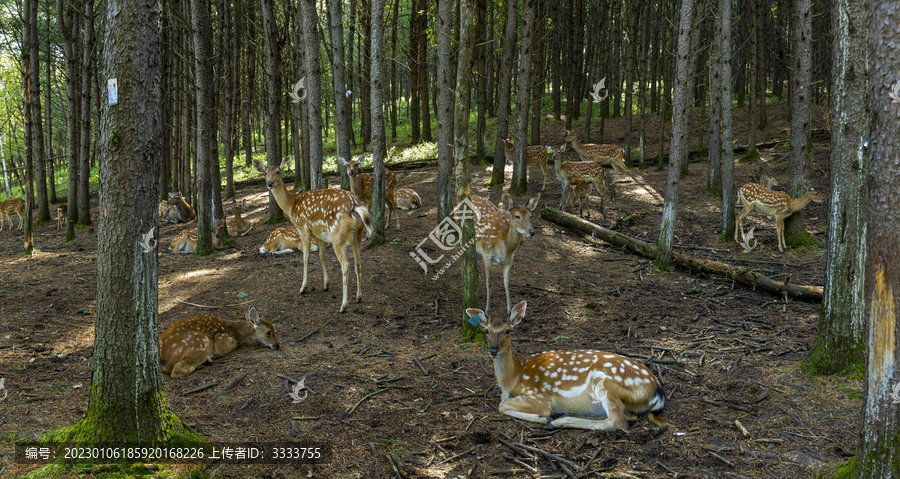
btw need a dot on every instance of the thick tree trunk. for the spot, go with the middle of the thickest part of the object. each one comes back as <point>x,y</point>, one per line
<point>84,162</point>
<point>686,61</point>
<point>503,97</point>
<point>341,102</point>
<point>206,119</point>
<point>446,193</point>
<point>537,80</point>
<point>801,63</point>
<point>70,33</point>
<point>229,72</point>
<point>518,185</point>
<point>481,76</point>
<point>755,33</point>
<point>365,84</point>
<point>314,89</point>
<point>126,402</point>
<point>250,87</point>
<point>40,160</point>
<point>878,454</point>
<point>394,80</point>
<point>840,338</point>
<point>728,191</point>
<point>714,110</point>
<point>379,146</point>
<point>630,53</point>
<point>29,50</point>
<point>273,99</point>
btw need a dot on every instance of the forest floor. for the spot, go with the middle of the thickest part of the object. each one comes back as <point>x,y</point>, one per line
<point>710,338</point>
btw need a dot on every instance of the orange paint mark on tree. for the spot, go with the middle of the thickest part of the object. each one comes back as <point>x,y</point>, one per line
<point>883,327</point>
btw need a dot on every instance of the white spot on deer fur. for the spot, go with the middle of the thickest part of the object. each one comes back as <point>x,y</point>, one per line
<point>619,378</point>
<point>609,356</point>
<point>553,375</point>
<point>645,372</point>
<point>614,370</point>
<point>627,362</point>
<point>607,365</point>
<point>629,382</point>
<point>525,377</point>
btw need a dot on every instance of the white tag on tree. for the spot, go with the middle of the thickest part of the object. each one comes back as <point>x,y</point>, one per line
<point>113,86</point>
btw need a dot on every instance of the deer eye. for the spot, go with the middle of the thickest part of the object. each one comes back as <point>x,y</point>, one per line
<point>507,331</point>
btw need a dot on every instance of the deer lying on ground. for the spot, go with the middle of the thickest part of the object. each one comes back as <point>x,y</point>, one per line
<point>190,343</point>
<point>186,241</point>
<point>286,240</point>
<point>185,212</point>
<point>534,155</point>
<point>335,217</point>
<point>757,198</point>
<point>612,155</point>
<point>589,389</point>
<point>8,207</point>
<point>61,211</point>
<point>236,224</point>
<point>498,231</point>
<point>589,171</point>
<point>407,199</point>
<point>363,186</point>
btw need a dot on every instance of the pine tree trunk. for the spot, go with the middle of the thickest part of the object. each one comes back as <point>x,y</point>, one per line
<point>686,61</point>
<point>51,169</point>
<point>29,50</point>
<point>342,111</point>
<point>840,338</point>
<point>273,99</point>
<point>878,454</point>
<point>84,162</point>
<point>365,88</point>
<point>423,71</point>
<point>714,110</point>
<point>630,52</point>
<point>481,76</point>
<point>537,81</point>
<point>395,94</point>
<point>379,146</point>
<point>801,63</point>
<point>206,118</point>
<point>37,139</point>
<point>413,57</point>
<point>446,194</point>
<point>250,88</point>
<point>728,191</point>
<point>518,185</point>
<point>314,91</point>
<point>228,75</point>
<point>753,111</point>
<point>504,95</point>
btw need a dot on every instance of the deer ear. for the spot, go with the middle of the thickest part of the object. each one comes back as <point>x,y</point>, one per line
<point>562,148</point>
<point>517,313</point>
<point>342,161</point>
<point>532,203</point>
<point>506,203</point>
<point>259,166</point>
<point>285,163</point>
<point>476,317</point>
<point>243,203</point>
<point>253,316</point>
<point>171,195</point>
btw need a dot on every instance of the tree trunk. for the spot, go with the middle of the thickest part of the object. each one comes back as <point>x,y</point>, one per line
<point>314,89</point>
<point>250,88</point>
<point>840,338</point>
<point>51,170</point>
<point>537,80</point>
<point>413,57</point>
<point>445,194</point>
<point>630,53</point>
<point>423,71</point>
<point>481,76</point>
<point>70,32</point>
<point>461,159</point>
<point>714,109</point>
<point>341,101</point>
<point>576,47</point>
<point>228,74</point>
<point>753,111</point>
<point>273,99</point>
<point>503,97</point>
<point>126,402</point>
<point>37,129</point>
<point>394,80</point>
<point>206,118</point>
<point>728,191</point>
<point>379,146</point>
<point>84,162</point>
<point>518,185</point>
<point>801,146</point>
<point>365,84</point>
<point>686,61</point>
<point>27,100</point>
<point>878,454</point>
<point>167,95</point>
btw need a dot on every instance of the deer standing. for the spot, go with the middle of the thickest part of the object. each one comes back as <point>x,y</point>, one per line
<point>407,199</point>
<point>363,186</point>
<point>335,217</point>
<point>185,211</point>
<point>238,225</point>
<point>193,342</point>
<point>61,212</point>
<point>8,207</point>
<point>589,171</point>
<point>186,241</point>
<point>534,155</point>
<point>579,190</point>
<point>612,155</point>
<point>595,388</point>
<point>286,240</point>
<point>757,198</point>
<point>498,232</point>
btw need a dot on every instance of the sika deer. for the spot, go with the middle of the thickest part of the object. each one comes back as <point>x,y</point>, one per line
<point>580,385</point>
<point>8,207</point>
<point>335,217</point>
<point>772,203</point>
<point>193,342</point>
<point>186,241</point>
<point>579,190</point>
<point>498,232</point>
<point>236,224</point>
<point>534,155</point>
<point>612,155</point>
<point>61,211</point>
<point>589,171</point>
<point>185,211</point>
<point>363,186</point>
<point>407,199</point>
<point>286,240</point>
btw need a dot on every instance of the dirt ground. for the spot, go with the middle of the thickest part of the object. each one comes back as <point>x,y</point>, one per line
<point>705,337</point>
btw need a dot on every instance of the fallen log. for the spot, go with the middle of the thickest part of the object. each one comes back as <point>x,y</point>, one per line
<point>739,274</point>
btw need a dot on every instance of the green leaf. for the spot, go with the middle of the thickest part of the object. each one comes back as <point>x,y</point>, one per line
<point>242,295</point>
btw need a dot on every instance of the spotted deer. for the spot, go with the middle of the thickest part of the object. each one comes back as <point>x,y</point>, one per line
<point>407,199</point>
<point>185,212</point>
<point>612,155</point>
<point>590,389</point>
<point>534,155</point>
<point>286,240</point>
<point>61,211</point>
<point>186,241</point>
<point>764,180</point>
<point>579,190</point>
<point>335,217</point>
<point>498,232</point>
<point>589,171</point>
<point>236,224</point>
<point>757,198</point>
<point>363,186</point>
<point>8,207</point>
<point>190,343</point>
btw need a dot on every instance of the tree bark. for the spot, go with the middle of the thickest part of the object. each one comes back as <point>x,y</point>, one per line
<point>728,191</point>
<point>229,72</point>
<point>206,119</point>
<point>801,146</point>
<point>379,146</point>
<point>714,109</point>
<point>686,62</point>
<point>27,100</point>
<point>84,162</point>
<point>70,33</point>
<point>518,185</point>
<point>413,57</point>
<point>503,97</point>
<point>273,99</point>
<point>314,89</point>
<point>481,76</point>
<point>423,70</point>
<point>250,88</point>
<point>840,338</point>
<point>445,194</point>
<point>878,454</point>
<point>51,169</point>
<point>341,102</point>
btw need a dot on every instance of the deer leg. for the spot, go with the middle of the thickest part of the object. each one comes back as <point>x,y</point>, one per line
<point>779,226</point>
<point>610,405</point>
<point>740,222</point>
<point>543,176</point>
<point>357,241</point>
<point>564,191</point>
<point>487,282</point>
<point>506,268</point>
<point>526,408</point>
<point>21,220</point>
<point>340,250</point>
<point>334,245</point>
<point>304,243</point>
<point>392,202</point>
